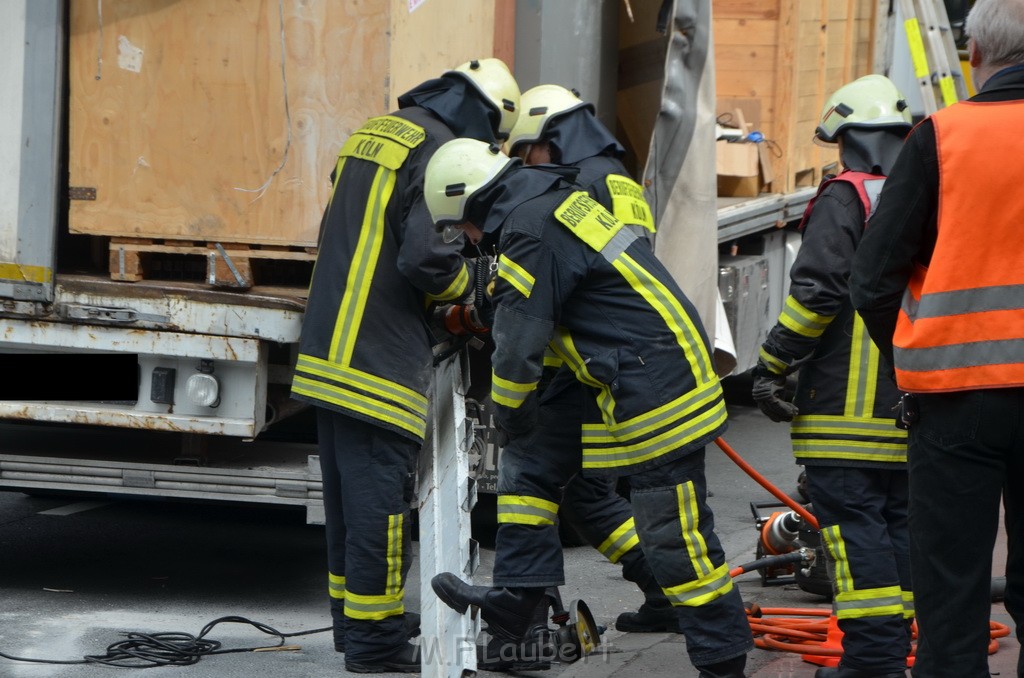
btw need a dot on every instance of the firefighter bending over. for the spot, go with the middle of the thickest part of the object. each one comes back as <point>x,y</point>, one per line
<point>365,354</point>
<point>572,275</point>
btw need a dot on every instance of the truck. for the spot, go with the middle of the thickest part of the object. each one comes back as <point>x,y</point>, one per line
<point>124,233</point>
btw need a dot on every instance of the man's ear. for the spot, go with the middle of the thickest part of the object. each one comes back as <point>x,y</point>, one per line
<point>974,54</point>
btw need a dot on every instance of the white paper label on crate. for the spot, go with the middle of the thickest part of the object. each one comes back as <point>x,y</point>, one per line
<point>414,5</point>
<point>129,57</point>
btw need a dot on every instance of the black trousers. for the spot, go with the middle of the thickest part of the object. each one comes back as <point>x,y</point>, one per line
<point>673,523</point>
<point>862,513</point>
<point>965,451</point>
<point>368,485</point>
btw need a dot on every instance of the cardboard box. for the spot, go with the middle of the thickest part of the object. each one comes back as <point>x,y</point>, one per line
<point>740,171</point>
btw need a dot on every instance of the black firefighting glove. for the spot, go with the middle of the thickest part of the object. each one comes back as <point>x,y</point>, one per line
<point>511,423</point>
<point>767,392</point>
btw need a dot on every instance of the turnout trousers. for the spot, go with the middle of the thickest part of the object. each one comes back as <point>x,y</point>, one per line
<point>368,485</point>
<point>862,513</point>
<point>669,515</point>
<point>966,451</point>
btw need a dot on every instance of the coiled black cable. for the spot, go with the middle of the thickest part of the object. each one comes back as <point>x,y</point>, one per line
<point>173,648</point>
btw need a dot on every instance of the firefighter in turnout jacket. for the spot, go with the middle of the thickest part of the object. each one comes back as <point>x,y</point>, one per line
<point>365,352</point>
<point>556,126</point>
<point>571,275</point>
<point>843,419</point>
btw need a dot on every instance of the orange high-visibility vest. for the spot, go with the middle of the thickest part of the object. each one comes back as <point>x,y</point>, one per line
<point>961,325</point>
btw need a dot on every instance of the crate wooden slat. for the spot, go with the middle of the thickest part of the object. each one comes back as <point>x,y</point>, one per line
<point>178,116</point>
<point>778,60</point>
<point>225,265</point>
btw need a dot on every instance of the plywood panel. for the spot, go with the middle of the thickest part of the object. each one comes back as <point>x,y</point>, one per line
<point>192,123</point>
<point>436,36</point>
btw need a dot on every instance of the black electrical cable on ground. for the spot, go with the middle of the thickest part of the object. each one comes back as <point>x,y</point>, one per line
<point>148,650</point>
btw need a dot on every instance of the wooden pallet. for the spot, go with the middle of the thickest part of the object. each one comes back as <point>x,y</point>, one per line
<point>224,265</point>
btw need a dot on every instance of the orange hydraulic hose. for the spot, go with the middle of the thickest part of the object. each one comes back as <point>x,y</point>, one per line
<point>800,634</point>
<point>763,482</point>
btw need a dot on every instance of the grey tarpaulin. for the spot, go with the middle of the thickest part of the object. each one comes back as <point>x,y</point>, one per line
<point>679,176</point>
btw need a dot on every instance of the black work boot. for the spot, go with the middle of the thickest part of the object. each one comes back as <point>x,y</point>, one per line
<point>656,615</point>
<point>730,668</point>
<point>847,672</point>
<point>406,660</point>
<point>412,625</point>
<point>509,612</point>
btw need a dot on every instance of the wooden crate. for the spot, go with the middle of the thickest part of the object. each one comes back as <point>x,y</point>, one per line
<point>188,121</point>
<point>779,60</point>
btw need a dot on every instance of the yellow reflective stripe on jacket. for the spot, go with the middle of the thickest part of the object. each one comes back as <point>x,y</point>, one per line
<point>826,425</point>
<point>510,393</point>
<point>886,601</point>
<point>516,275</point>
<point>564,347</point>
<point>672,312</point>
<point>862,380</point>
<point>456,290</point>
<point>621,541</point>
<point>854,450</point>
<point>375,149</point>
<point>628,203</point>
<point>551,359</point>
<point>393,579</point>
<point>364,263</point>
<point>391,391</point>
<point>358,606</point>
<point>775,366</point>
<point>588,219</point>
<point>625,455</point>
<point>336,586</point>
<point>701,591</point>
<point>361,403</point>
<point>524,510</point>
<point>652,420</point>
<point>798,318</point>
<point>828,436</point>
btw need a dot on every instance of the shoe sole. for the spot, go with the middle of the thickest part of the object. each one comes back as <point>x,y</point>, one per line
<point>382,668</point>
<point>629,628</point>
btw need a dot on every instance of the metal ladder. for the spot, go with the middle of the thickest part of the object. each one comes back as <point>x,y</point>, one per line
<point>933,53</point>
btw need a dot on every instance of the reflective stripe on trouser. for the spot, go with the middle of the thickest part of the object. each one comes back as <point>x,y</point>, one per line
<point>676,529</point>
<point>532,471</point>
<point>862,513</point>
<point>368,476</point>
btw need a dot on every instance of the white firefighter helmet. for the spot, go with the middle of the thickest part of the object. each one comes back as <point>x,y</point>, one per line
<point>539,105</point>
<point>870,101</point>
<point>455,173</point>
<point>492,78</point>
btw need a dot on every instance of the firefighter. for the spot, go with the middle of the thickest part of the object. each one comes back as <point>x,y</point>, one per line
<point>843,419</point>
<point>556,126</point>
<point>365,351</point>
<point>573,276</point>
